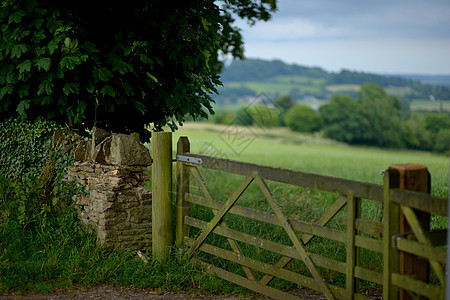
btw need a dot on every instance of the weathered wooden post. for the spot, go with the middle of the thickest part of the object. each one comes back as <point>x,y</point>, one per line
<point>161,193</point>
<point>183,146</point>
<point>415,178</point>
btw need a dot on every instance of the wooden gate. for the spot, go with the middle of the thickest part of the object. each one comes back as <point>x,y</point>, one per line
<point>356,233</point>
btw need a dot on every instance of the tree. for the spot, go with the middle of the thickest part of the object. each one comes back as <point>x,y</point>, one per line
<point>244,117</point>
<point>117,64</point>
<point>437,121</point>
<point>302,118</point>
<point>442,143</point>
<point>264,116</point>
<point>383,115</point>
<point>342,120</point>
<point>284,102</point>
<point>224,116</point>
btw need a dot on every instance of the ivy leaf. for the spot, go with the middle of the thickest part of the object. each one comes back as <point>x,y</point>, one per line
<point>70,88</point>
<point>24,66</point>
<point>44,63</point>
<point>108,90</point>
<point>18,50</point>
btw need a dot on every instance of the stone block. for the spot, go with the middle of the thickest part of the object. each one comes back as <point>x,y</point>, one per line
<point>81,151</point>
<point>138,215</point>
<point>125,150</point>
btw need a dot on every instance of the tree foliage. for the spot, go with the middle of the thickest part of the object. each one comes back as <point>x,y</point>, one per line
<point>264,116</point>
<point>302,118</point>
<point>117,64</point>
<point>343,120</point>
<point>372,119</point>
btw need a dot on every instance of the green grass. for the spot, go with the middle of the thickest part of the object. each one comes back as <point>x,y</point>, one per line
<point>281,148</point>
<point>338,88</point>
<point>276,87</point>
<point>421,104</point>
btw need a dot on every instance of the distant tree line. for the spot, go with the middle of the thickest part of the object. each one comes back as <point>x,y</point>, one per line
<point>372,118</point>
<point>256,70</point>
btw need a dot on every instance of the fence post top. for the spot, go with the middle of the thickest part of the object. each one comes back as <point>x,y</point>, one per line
<point>161,133</point>
<point>407,167</point>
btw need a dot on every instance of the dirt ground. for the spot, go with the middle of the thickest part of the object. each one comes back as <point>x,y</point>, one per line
<point>116,293</point>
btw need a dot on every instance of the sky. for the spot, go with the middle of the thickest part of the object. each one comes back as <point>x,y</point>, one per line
<point>383,36</point>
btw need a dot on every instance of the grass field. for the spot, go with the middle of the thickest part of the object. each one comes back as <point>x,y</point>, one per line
<point>428,105</point>
<point>280,147</point>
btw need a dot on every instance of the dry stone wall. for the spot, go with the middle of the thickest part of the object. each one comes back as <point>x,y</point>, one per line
<point>113,168</point>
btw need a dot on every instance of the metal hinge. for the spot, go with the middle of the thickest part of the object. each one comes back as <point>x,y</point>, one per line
<point>190,159</point>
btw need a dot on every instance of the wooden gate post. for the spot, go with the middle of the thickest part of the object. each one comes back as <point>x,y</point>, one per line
<point>415,178</point>
<point>161,195</point>
<point>183,146</point>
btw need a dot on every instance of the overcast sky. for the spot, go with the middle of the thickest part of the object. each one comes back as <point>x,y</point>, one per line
<point>383,36</point>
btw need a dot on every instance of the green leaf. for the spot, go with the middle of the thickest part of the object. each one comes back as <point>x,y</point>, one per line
<point>81,109</point>
<point>7,89</point>
<point>16,17</point>
<point>21,209</point>
<point>24,90</point>
<point>128,89</point>
<point>140,107</point>
<point>108,90</point>
<point>52,46</point>
<point>152,77</point>
<point>24,66</point>
<point>11,77</point>
<point>145,59</point>
<point>102,74</point>
<point>67,42</point>
<point>70,88</point>
<point>44,63</point>
<point>207,55</point>
<point>70,62</point>
<point>45,86</point>
<point>90,88</point>
<point>119,65</point>
<point>22,107</point>
<point>18,50</point>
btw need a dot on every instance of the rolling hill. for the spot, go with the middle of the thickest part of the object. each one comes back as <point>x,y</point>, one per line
<point>248,78</point>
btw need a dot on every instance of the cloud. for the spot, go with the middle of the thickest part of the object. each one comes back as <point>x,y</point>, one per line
<point>291,29</point>
<point>406,36</point>
<point>381,55</point>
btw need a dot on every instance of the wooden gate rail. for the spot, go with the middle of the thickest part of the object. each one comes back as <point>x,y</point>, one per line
<point>359,233</point>
<point>307,180</point>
